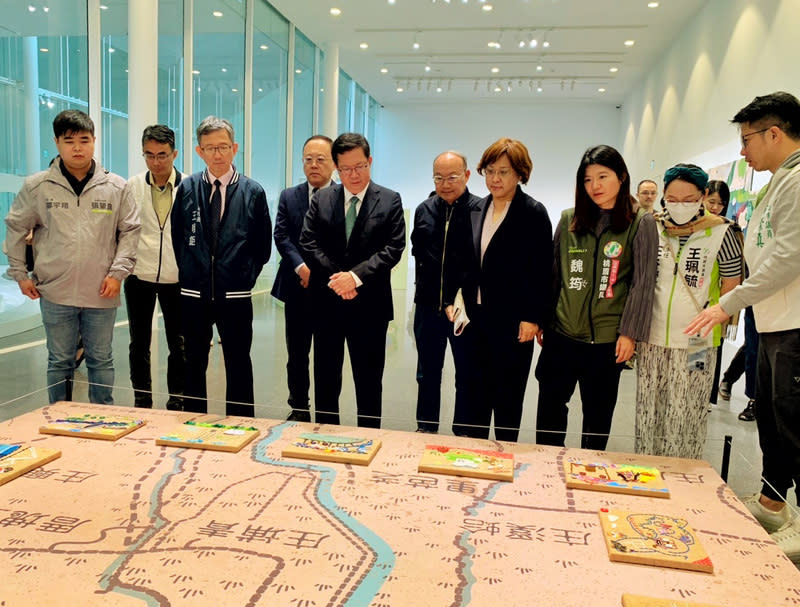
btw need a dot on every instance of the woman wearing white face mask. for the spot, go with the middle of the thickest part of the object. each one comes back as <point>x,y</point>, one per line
<point>699,259</point>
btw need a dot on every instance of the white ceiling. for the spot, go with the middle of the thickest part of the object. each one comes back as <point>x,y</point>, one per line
<point>586,40</point>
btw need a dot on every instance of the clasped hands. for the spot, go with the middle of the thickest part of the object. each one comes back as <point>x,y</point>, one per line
<point>343,284</point>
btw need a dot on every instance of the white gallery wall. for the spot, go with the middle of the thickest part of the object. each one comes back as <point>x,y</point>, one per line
<point>556,134</point>
<point>732,51</point>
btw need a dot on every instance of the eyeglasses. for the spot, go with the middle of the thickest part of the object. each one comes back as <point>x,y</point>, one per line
<point>501,173</point>
<point>746,137</point>
<point>359,168</point>
<point>451,179</point>
<point>695,201</point>
<point>161,156</point>
<point>316,159</point>
<point>214,149</point>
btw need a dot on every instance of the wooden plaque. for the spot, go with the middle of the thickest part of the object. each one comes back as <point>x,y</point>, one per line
<point>87,425</point>
<point>330,448</point>
<point>17,461</point>
<point>477,463</point>
<point>636,600</point>
<point>615,478</point>
<point>215,437</point>
<point>653,539</point>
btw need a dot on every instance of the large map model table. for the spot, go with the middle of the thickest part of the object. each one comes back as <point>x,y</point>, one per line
<point>132,523</point>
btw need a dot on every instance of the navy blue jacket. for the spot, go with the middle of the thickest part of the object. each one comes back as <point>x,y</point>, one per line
<point>244,242</point>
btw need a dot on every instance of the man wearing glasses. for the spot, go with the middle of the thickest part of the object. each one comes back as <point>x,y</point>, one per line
<point>222,236</point>
<point>441,227</point>
<point>354,234</point>
<point>770,135</point>
<point>291,281</point>
<point>155,275</point>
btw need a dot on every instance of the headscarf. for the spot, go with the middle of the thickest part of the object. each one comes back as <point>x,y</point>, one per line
<point>693,174</point>
<point>687,172</point>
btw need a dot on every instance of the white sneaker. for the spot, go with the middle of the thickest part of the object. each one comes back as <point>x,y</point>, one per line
<point>788,538</point>
<point>769,519</point>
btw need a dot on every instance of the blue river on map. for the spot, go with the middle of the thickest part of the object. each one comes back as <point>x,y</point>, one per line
<point>384,555</point>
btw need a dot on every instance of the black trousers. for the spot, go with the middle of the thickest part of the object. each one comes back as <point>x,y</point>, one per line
<point>299,332</point>
<point>140,299</point>
<point>778,411</point>
<point>432,331</point>
<point>563,363</point>
<point>499,371</point>
<point>366,344</point>
<point>234,320</point>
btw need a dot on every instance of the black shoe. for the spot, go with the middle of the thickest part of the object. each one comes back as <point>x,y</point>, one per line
<point>749,413</point>
<point>724,390</point>
<point>299,416</point>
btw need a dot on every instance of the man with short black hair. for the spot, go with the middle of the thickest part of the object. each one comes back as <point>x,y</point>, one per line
<point>85,233</point>
<point>646,194</point>
<point>222,237</point>
<point>155,275</point>
<point>770,135</point>
<point>354,234</point>
<point>291,281</point>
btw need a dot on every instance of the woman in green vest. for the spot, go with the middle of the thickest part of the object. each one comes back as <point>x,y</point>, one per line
<point>605,254</point>
<point>699,259</point>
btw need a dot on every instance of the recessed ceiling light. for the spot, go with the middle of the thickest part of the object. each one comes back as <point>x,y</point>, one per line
<point>111,49</point>
<point>224,69</point>
<point>399,89</point>
<point>427,68</point>
<point>263,47</point>
<point>195,72</point>
<point>487,7</point>
<point>497,89</point>
<point>103,7</point>
<point>630,42</point>
<point>384,70</point>
<point>539,89</point>
<point>415,45</point>
<point>652,5</point>
<point>493,44</point>
<point>174,90</point>
<point>31,8</point>
<point>260,90</point>
<point>613,70</point>
<point>495,70</point>
<point>391,1</point>
<point>534,43</point>
<point>298,71</point>
<point>546,44</point>
<point>521,44</point>
<point>234,90</point>
<point>601,90</point>
<point>363,45</point>
<point>538,68</point>
<point>336,12</point>
<point>44,50</point>
<point>46,9</point>
<point>217,13</point>
<point>438,89</point>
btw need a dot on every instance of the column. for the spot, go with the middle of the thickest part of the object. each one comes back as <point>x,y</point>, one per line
<point>30,51</point>
<point>330,106</point>
<point>142,76</point>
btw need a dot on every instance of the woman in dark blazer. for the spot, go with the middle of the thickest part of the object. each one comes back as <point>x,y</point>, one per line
<point>505,284</point>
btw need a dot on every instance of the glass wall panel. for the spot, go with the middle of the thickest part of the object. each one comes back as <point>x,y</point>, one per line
<point>303,122</point>
<point>360,103</point>
<point>43,70</point>
<point>218,84</point>
<point>270,57</point>
<point>372,120</point>
<point>345,103</point>
<point>321,98</point>
<point>114,85</point>
<point>170,71</point>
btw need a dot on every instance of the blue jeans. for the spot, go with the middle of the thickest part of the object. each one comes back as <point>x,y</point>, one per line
<point>62,325</point>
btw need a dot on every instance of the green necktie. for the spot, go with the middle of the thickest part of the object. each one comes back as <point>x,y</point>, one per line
<point>350,217</point>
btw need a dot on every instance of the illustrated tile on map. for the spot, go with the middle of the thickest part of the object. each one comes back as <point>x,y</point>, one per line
<point>87,425</point>
<point>615,478</point>
<point>653,539</point>
<point>17,460</point>
<point>477,463</point>
<point>331,448</point>
<point>636,600</point>
<point>215,437</point>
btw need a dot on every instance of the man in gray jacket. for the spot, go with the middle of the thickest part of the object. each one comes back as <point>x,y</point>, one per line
<point>85,234</point>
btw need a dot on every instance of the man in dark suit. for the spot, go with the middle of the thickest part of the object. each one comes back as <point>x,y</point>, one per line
<point>354,233</point>
<point>291,282</point>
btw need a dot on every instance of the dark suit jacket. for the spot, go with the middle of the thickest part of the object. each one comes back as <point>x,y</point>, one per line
<point>375,247</point>
<point>515,275</point>
<point>292,207</point>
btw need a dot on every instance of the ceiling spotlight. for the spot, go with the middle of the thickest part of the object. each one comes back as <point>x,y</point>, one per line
<point>497,89</point>
<point>46,9</point>
<point>217,13</point>
<point>224,69</point>
<point>384,70</point>
<point>487,7</point>
<point>534,43</point>
<point>264,47</point>
<point>234,90</point>
<point>546,44</point>
<point>336,12</point>
<point>521,44</point>
<point>630,42</point>
<point>539,68</point>
<point>195,72</point>
<point>44,50</point>
<point>493,44</point>
<point>111,49</point>
<point>103,7</point>
<point>539,89</point>
<point>415,44</point>
<point>298,71</point>
<point>427,68</point>
<point>438,89</point>
<point>391,1</point>
<point>601,90</point>
<point>399,89</point>
<point>652,5</point>
<point>613,70</point>
<point>363,45</point>
<point>31,8</point>
<point>495,70</point>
